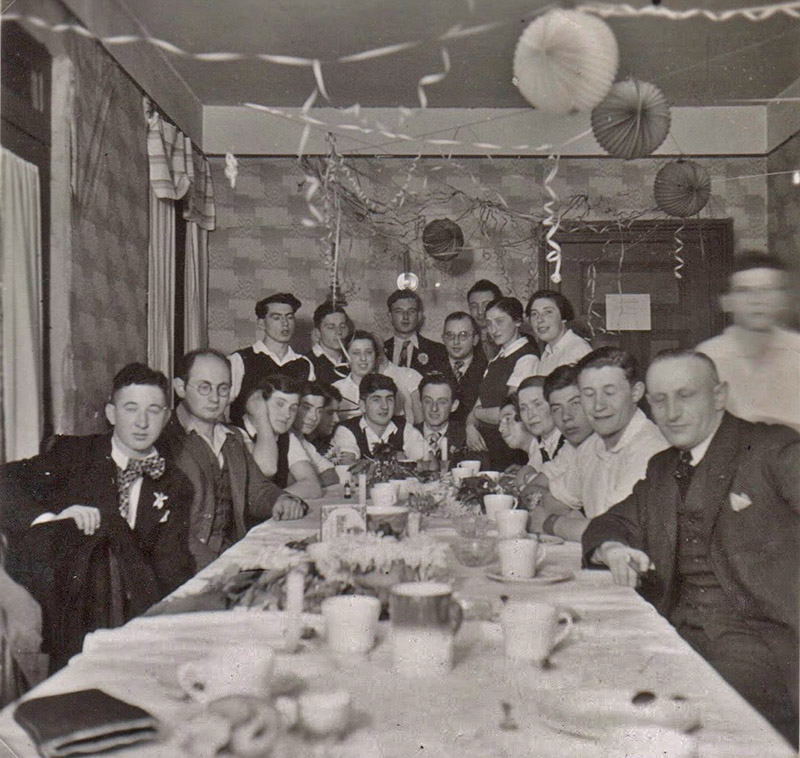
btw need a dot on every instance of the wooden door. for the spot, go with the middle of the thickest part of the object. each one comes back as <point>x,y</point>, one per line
<point>604,258</point>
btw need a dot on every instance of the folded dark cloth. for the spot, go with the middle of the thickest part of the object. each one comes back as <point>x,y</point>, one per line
<point>86,721</point>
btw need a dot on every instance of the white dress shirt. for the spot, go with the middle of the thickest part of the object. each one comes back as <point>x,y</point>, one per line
<point>398,348</point>
<point>569,348</point>
<point>524,367</point>
<point>550,444</point>
<point>344,441</point>
<point>237,364</point>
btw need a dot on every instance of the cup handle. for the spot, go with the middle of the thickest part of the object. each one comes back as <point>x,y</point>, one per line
<point>516,503</point>
<point>455,615</point>
<point>541,555</point>
<point>561,636</point>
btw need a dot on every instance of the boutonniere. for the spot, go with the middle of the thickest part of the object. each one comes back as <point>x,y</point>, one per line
<point>163,519</point>
<point>423,358</point>
<point>160,500</point>
<point>739,502</point>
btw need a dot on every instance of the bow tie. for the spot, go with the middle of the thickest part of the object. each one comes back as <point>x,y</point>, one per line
<point>152,466</point>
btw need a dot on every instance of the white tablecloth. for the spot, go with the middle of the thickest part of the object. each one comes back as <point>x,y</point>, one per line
<point>619,641</point>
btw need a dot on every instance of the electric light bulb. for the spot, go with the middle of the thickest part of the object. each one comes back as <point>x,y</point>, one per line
<point>796,178</point>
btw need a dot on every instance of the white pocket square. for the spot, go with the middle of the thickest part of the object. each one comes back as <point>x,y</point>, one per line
<point>163,519</point>
<point>739,502</point>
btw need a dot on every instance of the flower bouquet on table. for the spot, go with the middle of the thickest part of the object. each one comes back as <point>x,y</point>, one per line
<point>382,466</point>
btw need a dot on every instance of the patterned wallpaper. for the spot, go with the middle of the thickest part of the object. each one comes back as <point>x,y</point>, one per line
<point>784,202</point>
<point>109,232</point>
<point>260,242</point>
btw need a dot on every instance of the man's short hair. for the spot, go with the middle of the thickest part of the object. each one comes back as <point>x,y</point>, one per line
<point>513,401</point>
<point>362,334</point>
<point>750,259</point>
<point>509,305</point>
<point>562,303</point>
<point>139,373</point>
<point>678,352</point>
<point>183,366</point>
<point>485,285</point>
<point>560,378</point>
<point>321,311</point>
<point>458,316</point>
<point>373,383</point>
<point>437,377</point>
<point>324,390</point>
<point>286,298</point>
<point>616,357</point>
<point>403,295</point>
<point>530,381</point>
<point>276,383</point>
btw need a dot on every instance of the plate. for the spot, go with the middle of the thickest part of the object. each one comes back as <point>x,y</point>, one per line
<point>595,712</point>
<point>545,576</point>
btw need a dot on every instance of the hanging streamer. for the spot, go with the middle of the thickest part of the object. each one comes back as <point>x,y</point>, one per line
<point>552,222</point>
<point>231,169</point>
<point>430,79</point>
<point>609,10</point>
<point>680,262</point>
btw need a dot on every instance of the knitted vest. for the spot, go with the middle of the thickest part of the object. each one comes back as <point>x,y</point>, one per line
<point>395,440</point>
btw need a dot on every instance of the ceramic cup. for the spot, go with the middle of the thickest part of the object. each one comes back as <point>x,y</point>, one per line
<point>384,494</point>
<point>458,475</point>
<point>343,472</point>
<point>520,557</point>
<point>351,622</point>
<point>511,524</point>
<point>401,488</point>
<point>472,466</point>
<point>425,619</point>
<point>234,670</point>
<point>492,504</point>
<point>531,630</point>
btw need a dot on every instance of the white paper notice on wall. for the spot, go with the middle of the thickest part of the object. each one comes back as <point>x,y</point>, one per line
<point>628,313</point>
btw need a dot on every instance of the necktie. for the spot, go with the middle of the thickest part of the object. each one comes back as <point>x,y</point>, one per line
<point>683,472</point>
<point>405,353</point>
<point>152,466</point>
<point>433,443</point>
<point>458,370</point>
<point>545,455</point>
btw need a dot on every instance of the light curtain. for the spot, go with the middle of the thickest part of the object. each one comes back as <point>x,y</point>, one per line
<point>21,252</point>
<point>161,285</point>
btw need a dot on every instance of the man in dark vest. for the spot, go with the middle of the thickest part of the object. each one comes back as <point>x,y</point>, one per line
<point>407,347</point>
<point>231,494</point>
<point>712,535</point>
<point>465,364</point>
<point>272,354</point>
<point>331,327</point>
<point>359,437</point>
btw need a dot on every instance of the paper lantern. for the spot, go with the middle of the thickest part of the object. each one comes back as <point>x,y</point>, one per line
<point>565,61</point>
<point>632,121</point>
<point>442,239</point>
<point>407,281</point>
<point>682,188</point>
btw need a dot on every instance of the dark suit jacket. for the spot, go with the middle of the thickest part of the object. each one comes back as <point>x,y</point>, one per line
<point>469,386</point>
<point>754,551</point>
<point>456,440</point>
<point>253,494</point>
<point>435,355</point>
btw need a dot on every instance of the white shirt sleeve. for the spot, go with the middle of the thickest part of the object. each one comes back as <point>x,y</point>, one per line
<point>413,443</point>
<point>526,366</point>
<point>237,374</point>
<point>297,453</point>
<point>345,441</point>
<point>568,487</point>
<point>319,462</point>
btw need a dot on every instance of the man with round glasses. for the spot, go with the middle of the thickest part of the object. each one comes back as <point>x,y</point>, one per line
<point>231,494</point>
<point>465,365</point>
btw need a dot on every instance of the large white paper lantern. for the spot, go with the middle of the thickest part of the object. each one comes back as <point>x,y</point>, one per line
<point>566,61</point>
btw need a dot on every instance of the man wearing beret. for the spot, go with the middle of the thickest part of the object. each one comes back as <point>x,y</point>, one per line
<point>270,355</point>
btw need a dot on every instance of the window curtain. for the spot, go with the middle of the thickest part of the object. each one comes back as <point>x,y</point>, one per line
<point>21,252</point>
<point>176,170</point>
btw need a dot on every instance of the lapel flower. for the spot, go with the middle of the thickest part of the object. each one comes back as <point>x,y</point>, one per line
<point>163,519</point>
<point>160,500</point>
<point>739,502</point>
<point>423,359</point>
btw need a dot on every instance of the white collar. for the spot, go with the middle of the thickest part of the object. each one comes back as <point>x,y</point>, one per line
<point>188,422</point>
<point>121,458</point>
<point>260,347</point>
<point>467,362</point>
<point>699,451</point>
<point>320,352</point>
<point>427,431</point>
<point>550,442</point>
<point>635,425</point>
<point>413,339</point>
<point>511,347</point>
<point>387,432</point>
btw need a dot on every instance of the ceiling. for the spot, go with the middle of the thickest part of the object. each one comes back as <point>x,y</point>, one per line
<point>695,62</point>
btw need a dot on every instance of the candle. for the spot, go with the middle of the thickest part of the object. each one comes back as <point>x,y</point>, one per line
<point>444,449</point>
<point>362,489</point>
<point>295,585</point>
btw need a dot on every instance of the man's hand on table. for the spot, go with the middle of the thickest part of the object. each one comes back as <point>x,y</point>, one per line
<point>288,507</point>
<point>626,563</point>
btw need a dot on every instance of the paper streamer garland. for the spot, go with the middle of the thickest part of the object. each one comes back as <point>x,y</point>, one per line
<point>565,61</point>
<point>552,222</point>
<point>632,121</point>
<point>442,239</point>
<point>682,188</point>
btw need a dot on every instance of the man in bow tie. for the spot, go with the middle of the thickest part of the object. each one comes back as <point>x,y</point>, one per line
<point>712,535</point>
<point>105,510</point>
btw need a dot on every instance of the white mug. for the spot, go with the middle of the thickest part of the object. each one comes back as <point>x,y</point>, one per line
<point>520,557</point>
<point>351,622</point>
<point>531,629</point>
<point>234,670</point>
<point>511,524</point>
<point>472,466</point>
<point>498,502</point>
<point>384,494</point>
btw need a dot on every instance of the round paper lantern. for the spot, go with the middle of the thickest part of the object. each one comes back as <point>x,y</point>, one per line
<point>407,281</point>
<point>682,188</point>
<point>565,61</point>
<point>633,120</point>
<point>442,239</point>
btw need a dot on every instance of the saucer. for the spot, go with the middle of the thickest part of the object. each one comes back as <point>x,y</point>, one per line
<point>545,575</point>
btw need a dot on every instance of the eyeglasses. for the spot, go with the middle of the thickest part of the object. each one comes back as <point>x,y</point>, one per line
<point>461,336</point>
<point>206,388</point>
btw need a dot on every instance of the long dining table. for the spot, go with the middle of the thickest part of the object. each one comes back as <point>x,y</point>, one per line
<point>485,706</point>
